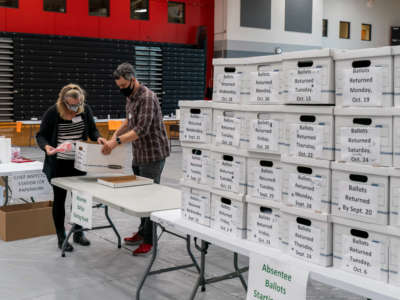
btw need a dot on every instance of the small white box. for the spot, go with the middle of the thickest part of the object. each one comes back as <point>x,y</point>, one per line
<point>394,260</point>
<point>264,177</point>
<point>310,132</point>
<point>396,76</point>
<point>396,137</point>
<point>266,129</point>
<point>197,165</point>
<point>88,158</point>
<point>229,170</point>
<point>263,219</point>
<point>364,135</point>
<point>5,150</point>
<point>229,79</point>
<point>364,77</point>
<point>306,184</point>
<point>230,125</point>
<point>394,197</point>
<point>360,192</point>
<point>228,214</point>
<point>306,235</point>
<point>195,122</point>
<point>261,83</point>
<point>196,205</point>
<point>361,248</point>
<point>309,77</point>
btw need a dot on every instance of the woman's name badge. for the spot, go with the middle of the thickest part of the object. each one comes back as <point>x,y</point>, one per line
<point>130,116</point>
<point>77,119</point>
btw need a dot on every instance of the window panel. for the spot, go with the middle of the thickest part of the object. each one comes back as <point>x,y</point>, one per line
<point>325,27</point>
<point>344,30</point>
<point>54,5</point>
<point>176,12</point>
<point>9,3</point>
<point>100,8</point>
<point>255,14</point>
<point>140,9</point>
<point>366,32</point>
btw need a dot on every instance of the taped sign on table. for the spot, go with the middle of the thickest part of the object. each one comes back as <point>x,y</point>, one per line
<point>30,185</point>
<point>306,140</point>
<point>227,175</point>
<point>361,256</point>
<point>304,241</point>
<point>267,183</point>
<point>264,135</point>
<point>228,131</point>
<point>360,144</point>
<point>276,279</point>
<point>228,87</point>
<point>305,191</point>
<point>194,129</point>
<point>359,199</point>
<point>363,86</point>
<point>82,211</point>
<point>305,85</point>
<point>264,87</point>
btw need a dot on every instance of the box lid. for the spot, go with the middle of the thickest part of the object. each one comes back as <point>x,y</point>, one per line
<point>306,161</point>
<point>342,54</point>
<point>265,59</point>
<point>306,214</point>
<point>309,109</point>
<point>229,150</point>
<point>394,172</point>
<point>229,195</point>
<point>360,168</point>
<point>263,108</point>
<point>195,103</point>
<point>326,52</point>
<point>230,61</point>
<point>199,146</point>
<point>194,185</point>
<point>264,156</point>
<point>364,111</point>
<point>396,50</point>
<point>263,202</point>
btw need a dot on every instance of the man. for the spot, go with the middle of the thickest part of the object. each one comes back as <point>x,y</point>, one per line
<point>144,128</point>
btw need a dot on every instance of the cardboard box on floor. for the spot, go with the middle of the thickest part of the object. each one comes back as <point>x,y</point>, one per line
<point>23,221</point>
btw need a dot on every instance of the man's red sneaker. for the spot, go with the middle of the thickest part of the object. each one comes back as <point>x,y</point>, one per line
<point>142,249</point>
<point>135,239</point>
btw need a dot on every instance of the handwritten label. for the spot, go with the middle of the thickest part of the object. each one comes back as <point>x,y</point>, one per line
<point>305,191</point>
<point>227,175</point>
<point>305,85</point>
<point>264,87</point>
<point>82,212</point>
<point>264,135</point>
<point>360,144</point>
<point>228,131</point>
<point>306,140</point>
<point>194,129</point>
<point>228,87</point>
<point>267,183</point>
<point>304,242</point>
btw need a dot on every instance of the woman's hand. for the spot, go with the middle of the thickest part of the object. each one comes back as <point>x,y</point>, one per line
<point>101,141</point>
<point>108,146</point>
<point>50,150</point>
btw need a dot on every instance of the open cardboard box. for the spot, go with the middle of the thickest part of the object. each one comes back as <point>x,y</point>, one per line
<point>23,221</point>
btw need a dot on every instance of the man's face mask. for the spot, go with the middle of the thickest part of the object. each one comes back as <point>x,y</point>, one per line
<point>73,107</point>
<point>128,90</point>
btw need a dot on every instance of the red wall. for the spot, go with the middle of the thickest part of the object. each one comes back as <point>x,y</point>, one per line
<point>30,18</point>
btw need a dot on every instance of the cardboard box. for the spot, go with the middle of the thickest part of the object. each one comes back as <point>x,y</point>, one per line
<point>196,205</point>
<point>394,260</point>
<point>396,76</point>
<point>364,77</point>
<point>396,137</point>
<point>360,192</point>
<point>23,221</point>
<point>195,122</point>
<point>197,165</point>
<point>5,150</point>
<point>88,158</point>
<point>364,135</point>
<point>394,219</point>
<point>309,77</point>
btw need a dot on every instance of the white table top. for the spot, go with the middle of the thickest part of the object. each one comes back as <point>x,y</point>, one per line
<point>139,201</point>
<point>333,277</point>
<point>14,168</point>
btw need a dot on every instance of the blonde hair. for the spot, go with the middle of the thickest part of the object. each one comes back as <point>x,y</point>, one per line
<point>73,91</point>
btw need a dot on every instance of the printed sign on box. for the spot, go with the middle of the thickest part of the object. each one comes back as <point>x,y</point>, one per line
<point>228,87</point>
<point>267,183</point>
<point>228,131</point>
<point>30,185</point>
<point>82,212</point>
<point>305,85</point>
<point>305,191</point>
<point>306,140</point>
<point>194,129</point>
<point>227,175</point>
<point>264,135</point>
<point>304,242</point>
<point>264,87</point>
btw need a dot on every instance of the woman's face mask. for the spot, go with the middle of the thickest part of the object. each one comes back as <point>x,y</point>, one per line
<point>73,107</point>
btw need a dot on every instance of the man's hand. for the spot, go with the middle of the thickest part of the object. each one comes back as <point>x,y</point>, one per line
<point>50,150</point>
<point>108,146</point>
<point>101,141</point>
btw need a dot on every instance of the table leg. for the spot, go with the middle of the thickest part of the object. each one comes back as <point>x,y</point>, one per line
<point>150,265</point>
<point>238,271</point>
<point>189,250</point>
<point>5,178</point>
<point>112,225</point>
<point>64,245</point>
<point>201,279</point>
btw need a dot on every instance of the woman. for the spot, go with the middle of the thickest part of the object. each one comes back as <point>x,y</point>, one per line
<point>70,119</point>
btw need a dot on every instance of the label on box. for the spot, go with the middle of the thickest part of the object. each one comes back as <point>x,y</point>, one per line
<point>306,140</point>
<point>196,207</point>
<point>30,185</point>
<point>358,199</point>
<point>227,175</point>
<point>305,85</point>
<point>267,183</point>
<point>196,169</point>
<point>264,87</point>
<point>80,158</point>
<point>360,144</point>
<point>228,87</point>
<point>82,212</point>
<point>264,135</point>
<point>305,191</point>
<point>363,86</point>
<point>304,242</point>
<point>228,131</point>
<point>195,128</point>
<point>361,256</point>
<point>264,228</point>
<point>225,215</point>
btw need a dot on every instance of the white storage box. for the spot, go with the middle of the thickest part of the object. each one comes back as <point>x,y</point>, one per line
<point>266,129</point>
<point>310,132</point>
<point>5,150</point>
<point>264,177</point>
<point>229,170</point>
<point>262,81</point>
<point>394,197</point>
<point>306,184</point>
<point>361,248</point>
<point>228,214</point>
<point>360,192</point>
<point>309,77</point>
<point>230,125</point>
<point>394,260</point>
<point>364,135</point>
<point>364,77</point>
<point>229,81</point>
<point>197,165</point>
<point>196,205</point>
<point>195,122</point>
<point>263,222</point>
<point>88,158</point>
<point>396,76</point>
<point>307,236</point>
<point>396,137</point>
